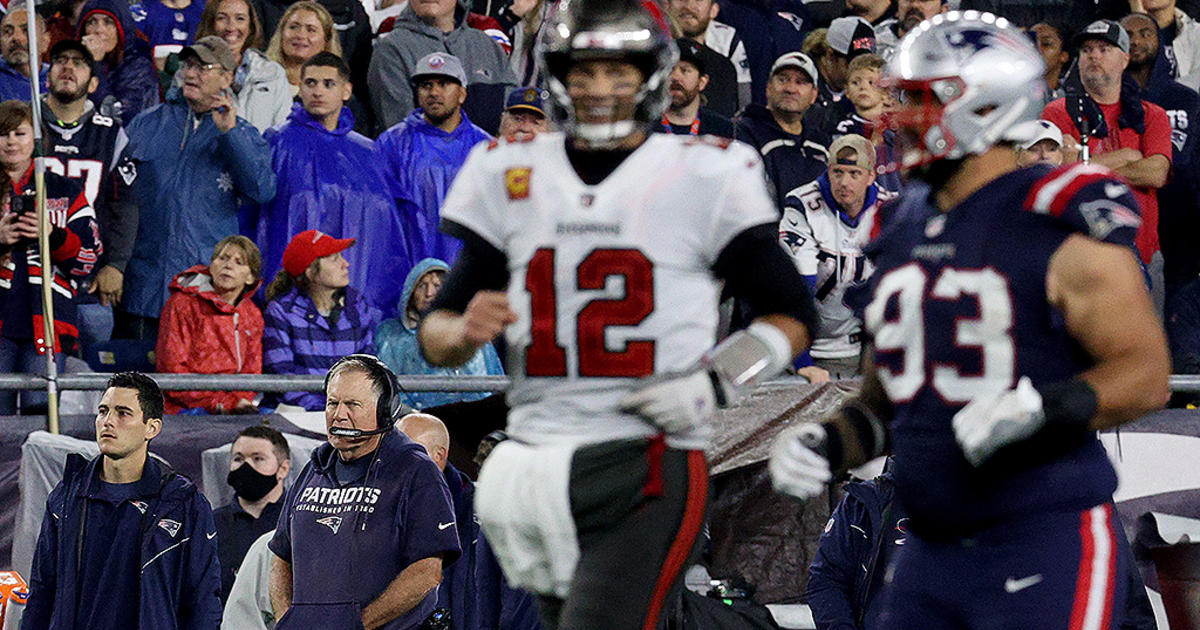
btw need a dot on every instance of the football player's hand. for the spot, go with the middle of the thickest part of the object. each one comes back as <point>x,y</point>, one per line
<point>486,316</point>
<point>814,374</point>
<point>994,420</point>
<point>674,403</point>
<point>797,464</point>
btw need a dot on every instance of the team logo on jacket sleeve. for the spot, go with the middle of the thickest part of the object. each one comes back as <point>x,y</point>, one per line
<point>516,180</point>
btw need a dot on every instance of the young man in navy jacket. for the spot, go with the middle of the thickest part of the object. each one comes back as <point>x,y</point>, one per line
<point>125,542</point>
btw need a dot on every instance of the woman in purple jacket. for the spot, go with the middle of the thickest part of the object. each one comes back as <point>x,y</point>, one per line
<point>313,317</point>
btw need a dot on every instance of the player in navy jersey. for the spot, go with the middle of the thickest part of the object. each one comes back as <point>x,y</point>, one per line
<point>1009,322</point>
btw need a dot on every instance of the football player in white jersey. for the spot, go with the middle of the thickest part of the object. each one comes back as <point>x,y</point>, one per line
<point>600,253</point>
<point>825,227</point>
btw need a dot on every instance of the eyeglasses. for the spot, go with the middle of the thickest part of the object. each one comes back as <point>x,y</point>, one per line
<point>192,64</point>
<point>70,60</point>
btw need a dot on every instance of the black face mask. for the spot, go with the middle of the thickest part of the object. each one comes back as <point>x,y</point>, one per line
<point>250,484</point>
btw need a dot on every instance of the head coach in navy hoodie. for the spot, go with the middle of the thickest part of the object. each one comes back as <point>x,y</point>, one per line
<point>366,529</point>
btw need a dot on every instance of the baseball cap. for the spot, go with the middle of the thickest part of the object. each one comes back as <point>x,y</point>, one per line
<point>308,246</point>
<point>1037,130</point>
<point>1104,30</point>
<point>66,45</point>
<point>851,36</point>
<point>439,64</point>
<point>796,60</point>
<point>689,51</point>
<point>211,49</point>
<point>527,97</point>
<point>863,149</point>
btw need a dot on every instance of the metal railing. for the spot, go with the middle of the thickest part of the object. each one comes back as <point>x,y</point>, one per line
<point>95,381</point>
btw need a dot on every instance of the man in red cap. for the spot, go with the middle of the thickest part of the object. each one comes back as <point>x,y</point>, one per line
<point>313,317</point>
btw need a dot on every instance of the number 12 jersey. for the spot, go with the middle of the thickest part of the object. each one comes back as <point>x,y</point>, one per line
<point>610,282</point>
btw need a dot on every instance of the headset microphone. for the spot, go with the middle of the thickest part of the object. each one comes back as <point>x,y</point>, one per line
<point>348,432</point>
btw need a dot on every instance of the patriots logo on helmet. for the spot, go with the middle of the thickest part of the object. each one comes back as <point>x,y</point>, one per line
<point>332,522</point>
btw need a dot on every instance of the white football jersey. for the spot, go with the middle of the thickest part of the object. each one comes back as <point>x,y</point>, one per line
<point>612,282</point>
<point>824,243</point>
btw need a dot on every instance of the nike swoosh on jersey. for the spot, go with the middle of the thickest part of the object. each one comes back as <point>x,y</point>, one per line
<point>1012,585</point>
<point>212,535</point>
<point>442,526</point>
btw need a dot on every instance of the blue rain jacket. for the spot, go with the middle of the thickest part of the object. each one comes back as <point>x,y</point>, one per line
<point>422,162</point>
<point>399,349</point>
<point>334,181</point>
<point>187,189</point>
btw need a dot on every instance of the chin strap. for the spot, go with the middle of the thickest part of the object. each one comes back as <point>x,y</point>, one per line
<point>745,359</point>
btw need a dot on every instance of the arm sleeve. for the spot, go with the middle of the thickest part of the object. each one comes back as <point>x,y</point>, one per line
<point>200,605</point>
<point>796,237</point>
<point>119,225</point>
<point>757,270</point>
<point>479,267</point>
<point>250,597</point>
<point>840,551</point>
<point>281,541</point>
<point>426,518</point>
<point>249,159</point>
<point>43,577</point>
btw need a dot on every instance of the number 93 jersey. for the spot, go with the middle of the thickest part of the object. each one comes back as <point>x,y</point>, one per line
<point>611,283</point>
<point>959,309</point>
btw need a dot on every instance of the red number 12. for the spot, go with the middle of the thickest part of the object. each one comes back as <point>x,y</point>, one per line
<point>545,357</point>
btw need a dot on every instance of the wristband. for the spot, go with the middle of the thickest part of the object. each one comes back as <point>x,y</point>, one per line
<point>1070,404</point>
<point>867,429</point>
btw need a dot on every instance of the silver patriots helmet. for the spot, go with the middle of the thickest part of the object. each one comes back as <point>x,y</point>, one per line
<point>967,80</point>
<point>625,30</point>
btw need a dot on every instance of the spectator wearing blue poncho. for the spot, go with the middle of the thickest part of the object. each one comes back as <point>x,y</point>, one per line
<point>331,179</point>
<point>397,340</point>
<point>426,150</point>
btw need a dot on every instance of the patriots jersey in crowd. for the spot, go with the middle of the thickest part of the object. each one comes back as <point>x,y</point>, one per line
<point>87,151</point>
<point>168,30</point>
<point>959,309</point>
<point>611,282</point>
<point>827,247</point>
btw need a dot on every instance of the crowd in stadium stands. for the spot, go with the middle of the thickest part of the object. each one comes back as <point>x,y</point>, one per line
<point>255,185</point>
<point>186,122</point>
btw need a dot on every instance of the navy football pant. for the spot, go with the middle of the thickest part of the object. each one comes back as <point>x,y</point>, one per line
<point>639,509</point>
<point>1060,571</point>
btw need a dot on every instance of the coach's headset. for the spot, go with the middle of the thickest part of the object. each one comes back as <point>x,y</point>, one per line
<point>388,407</point>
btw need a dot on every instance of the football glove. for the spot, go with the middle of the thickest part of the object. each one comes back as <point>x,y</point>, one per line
<point>674,403</point>
<point>992,421</point>
<point>798,465</point>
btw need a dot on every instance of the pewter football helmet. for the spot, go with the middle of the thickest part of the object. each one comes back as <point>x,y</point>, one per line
<point>976,77</point>
<point>626,30</point>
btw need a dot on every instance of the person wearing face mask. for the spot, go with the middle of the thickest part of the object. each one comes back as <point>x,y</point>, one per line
<point>258,466</point>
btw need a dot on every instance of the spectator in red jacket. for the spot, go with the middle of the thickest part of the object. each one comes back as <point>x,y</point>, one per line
<point>211,326</point>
